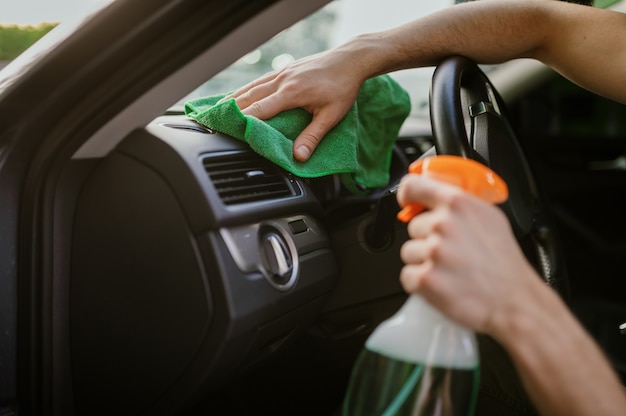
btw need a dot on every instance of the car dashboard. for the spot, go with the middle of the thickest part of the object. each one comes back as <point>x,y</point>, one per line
<point>193,259</point>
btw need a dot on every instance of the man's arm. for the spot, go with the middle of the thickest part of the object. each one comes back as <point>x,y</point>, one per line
<point>463,258</point>
<point>561,367</point>
<point>584,43</point>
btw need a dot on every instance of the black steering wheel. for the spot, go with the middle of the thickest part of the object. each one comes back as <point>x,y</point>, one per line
<point>468,119</point>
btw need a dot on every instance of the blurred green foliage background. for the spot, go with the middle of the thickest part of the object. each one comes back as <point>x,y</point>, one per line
<point>15,39</point>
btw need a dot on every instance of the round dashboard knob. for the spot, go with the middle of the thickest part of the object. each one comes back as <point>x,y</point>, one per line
<point>277,258</point>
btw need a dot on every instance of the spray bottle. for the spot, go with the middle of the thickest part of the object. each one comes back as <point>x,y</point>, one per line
<point>418,362</point>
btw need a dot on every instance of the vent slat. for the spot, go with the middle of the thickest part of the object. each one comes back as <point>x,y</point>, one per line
<point>245,177</point>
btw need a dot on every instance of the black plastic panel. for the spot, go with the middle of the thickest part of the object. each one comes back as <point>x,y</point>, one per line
<point>140,302</point>
<point>161,313</point>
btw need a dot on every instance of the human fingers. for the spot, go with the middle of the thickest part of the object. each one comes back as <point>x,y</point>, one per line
<point>271,104</point>
<point>244,90</point>
<point>425,223</point>
<point>419,250</point>
<point>307,141</point>
<point>426,191</point>
<point>264,100</point>
<point>412,276</point>
<point>292,86</point>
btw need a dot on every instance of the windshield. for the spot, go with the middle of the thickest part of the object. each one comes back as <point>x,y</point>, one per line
<point>332,25</point>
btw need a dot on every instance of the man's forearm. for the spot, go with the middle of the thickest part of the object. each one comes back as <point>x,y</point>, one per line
<point>487,31</point>
<point>562,368</point>
<point>576,40</point>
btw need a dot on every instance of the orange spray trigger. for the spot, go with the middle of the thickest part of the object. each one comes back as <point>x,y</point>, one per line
<point>469,175</point>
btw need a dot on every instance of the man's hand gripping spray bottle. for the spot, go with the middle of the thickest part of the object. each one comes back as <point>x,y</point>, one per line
<point>418,362</point>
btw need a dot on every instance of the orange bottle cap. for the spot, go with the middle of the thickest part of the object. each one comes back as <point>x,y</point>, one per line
<point>468,174</point>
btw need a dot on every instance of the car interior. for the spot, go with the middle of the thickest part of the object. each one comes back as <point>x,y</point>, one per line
<point>152,265</point>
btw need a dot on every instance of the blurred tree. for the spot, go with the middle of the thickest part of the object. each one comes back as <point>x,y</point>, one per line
<point>16,39</point>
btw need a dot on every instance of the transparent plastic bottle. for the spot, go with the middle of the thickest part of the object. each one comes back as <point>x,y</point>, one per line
<point>418,362</point>
<point>415,363</point>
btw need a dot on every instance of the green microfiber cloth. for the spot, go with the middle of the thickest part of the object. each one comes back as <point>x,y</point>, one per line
<point>359,146</point>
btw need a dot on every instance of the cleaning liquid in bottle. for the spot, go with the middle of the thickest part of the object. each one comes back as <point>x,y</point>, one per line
<point>418,362</point>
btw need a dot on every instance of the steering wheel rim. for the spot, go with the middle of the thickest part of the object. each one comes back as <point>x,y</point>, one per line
<point>468,119</point>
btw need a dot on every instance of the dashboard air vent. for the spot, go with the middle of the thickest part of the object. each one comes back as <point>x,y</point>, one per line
<point>246,177</point>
